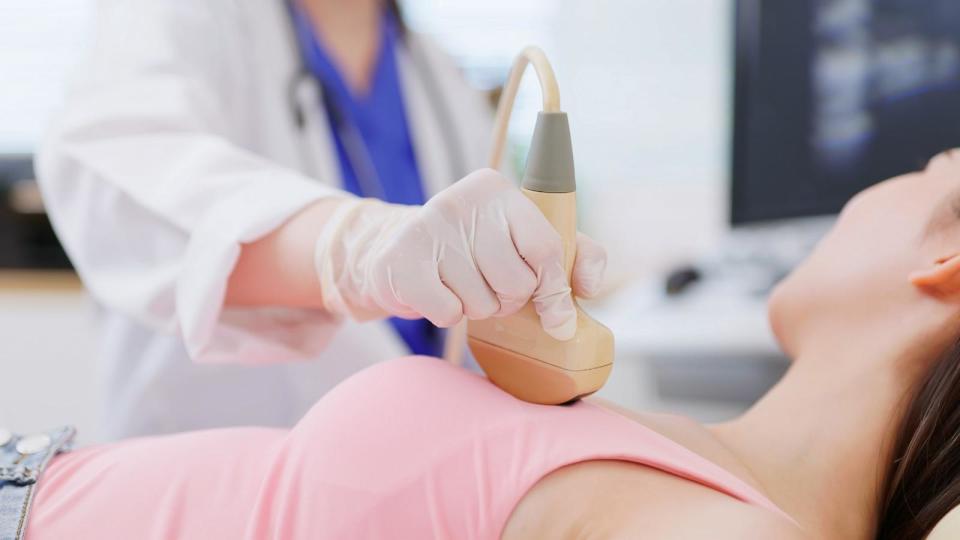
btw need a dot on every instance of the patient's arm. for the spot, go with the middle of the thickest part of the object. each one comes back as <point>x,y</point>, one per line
<point>614,499</point>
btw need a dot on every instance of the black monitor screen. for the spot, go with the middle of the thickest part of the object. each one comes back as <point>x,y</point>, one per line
<point>834,95</point>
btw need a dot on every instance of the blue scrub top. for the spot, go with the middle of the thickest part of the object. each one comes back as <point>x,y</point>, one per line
<point>379,120</point>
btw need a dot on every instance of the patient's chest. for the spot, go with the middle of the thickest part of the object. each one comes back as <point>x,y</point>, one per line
<point>418,448</point>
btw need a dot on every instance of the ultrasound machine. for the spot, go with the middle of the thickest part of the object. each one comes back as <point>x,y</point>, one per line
<point>830,96</point>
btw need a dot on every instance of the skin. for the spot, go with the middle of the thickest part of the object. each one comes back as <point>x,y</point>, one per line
<point>864,317</point>
<point>278,269</point>
<point>350,31</point>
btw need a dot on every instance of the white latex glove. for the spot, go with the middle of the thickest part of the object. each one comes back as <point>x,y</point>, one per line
<point>477,249</point>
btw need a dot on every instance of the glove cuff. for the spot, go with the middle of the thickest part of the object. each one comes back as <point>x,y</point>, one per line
<point>342,256</point>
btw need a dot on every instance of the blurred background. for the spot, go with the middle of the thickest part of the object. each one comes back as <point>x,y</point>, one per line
<point>713,141</point>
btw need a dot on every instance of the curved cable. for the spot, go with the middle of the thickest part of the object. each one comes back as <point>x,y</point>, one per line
<point>457,335</point>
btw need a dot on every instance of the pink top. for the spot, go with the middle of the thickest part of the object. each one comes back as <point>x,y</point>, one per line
<point>411,448</point>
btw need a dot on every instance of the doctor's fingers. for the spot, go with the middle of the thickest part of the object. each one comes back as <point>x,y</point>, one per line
<point>588,267</point>
<point>427,296</point>
<point>496,255</point>
<point>541,247</point>
<point>459,273</point>
<point>407,284</point>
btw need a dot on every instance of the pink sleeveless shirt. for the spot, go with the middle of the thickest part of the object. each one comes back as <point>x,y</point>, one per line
<point>409,449</point>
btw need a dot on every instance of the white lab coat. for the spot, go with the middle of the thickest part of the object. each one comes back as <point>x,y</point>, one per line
<point>177,144</point>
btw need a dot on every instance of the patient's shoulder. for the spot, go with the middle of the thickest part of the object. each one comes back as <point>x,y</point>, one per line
<point>607,499</point>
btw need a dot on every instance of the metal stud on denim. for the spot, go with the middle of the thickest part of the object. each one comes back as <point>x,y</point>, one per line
<point>22,461</point>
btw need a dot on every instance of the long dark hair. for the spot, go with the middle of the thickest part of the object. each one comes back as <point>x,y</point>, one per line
<point>922,482</point>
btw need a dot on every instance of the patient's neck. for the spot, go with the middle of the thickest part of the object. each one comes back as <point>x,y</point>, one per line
<point>817,442</point>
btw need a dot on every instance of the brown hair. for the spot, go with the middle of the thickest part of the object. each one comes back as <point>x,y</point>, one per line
<point>922,482</point>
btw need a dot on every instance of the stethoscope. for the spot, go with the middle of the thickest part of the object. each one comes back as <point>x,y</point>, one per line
<point>355,149</point>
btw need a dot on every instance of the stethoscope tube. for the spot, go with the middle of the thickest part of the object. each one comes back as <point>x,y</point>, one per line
<point>356,150</point>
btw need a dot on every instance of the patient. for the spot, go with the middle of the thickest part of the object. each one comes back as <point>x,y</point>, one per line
<point>859,440</point>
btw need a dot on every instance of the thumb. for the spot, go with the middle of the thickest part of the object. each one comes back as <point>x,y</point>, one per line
<point>553,302</point>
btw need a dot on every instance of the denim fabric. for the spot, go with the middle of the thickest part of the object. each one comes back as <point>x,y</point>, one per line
<point>18,477</point>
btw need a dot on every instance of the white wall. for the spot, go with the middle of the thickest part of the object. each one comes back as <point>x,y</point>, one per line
<point>40,42</point>
<point>648,88</point>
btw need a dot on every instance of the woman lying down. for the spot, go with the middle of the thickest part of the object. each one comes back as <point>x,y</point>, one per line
<point>859,440</point>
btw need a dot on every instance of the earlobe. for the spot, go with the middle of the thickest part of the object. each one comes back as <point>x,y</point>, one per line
<point>943,278</point>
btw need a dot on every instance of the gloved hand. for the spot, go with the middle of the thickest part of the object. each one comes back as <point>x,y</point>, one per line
<point>479,248</point>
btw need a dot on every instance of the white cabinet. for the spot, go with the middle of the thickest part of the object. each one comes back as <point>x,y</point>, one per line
<point>48,344</point>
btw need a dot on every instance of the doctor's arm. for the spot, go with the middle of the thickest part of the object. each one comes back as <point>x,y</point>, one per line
<point>477,249</point>
<point>149,185</point>
<point>172,222</point>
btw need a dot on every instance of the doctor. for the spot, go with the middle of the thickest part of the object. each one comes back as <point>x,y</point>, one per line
<point>242,188</point>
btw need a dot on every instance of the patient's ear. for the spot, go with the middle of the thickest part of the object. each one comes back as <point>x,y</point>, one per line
<point>941,278</point>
